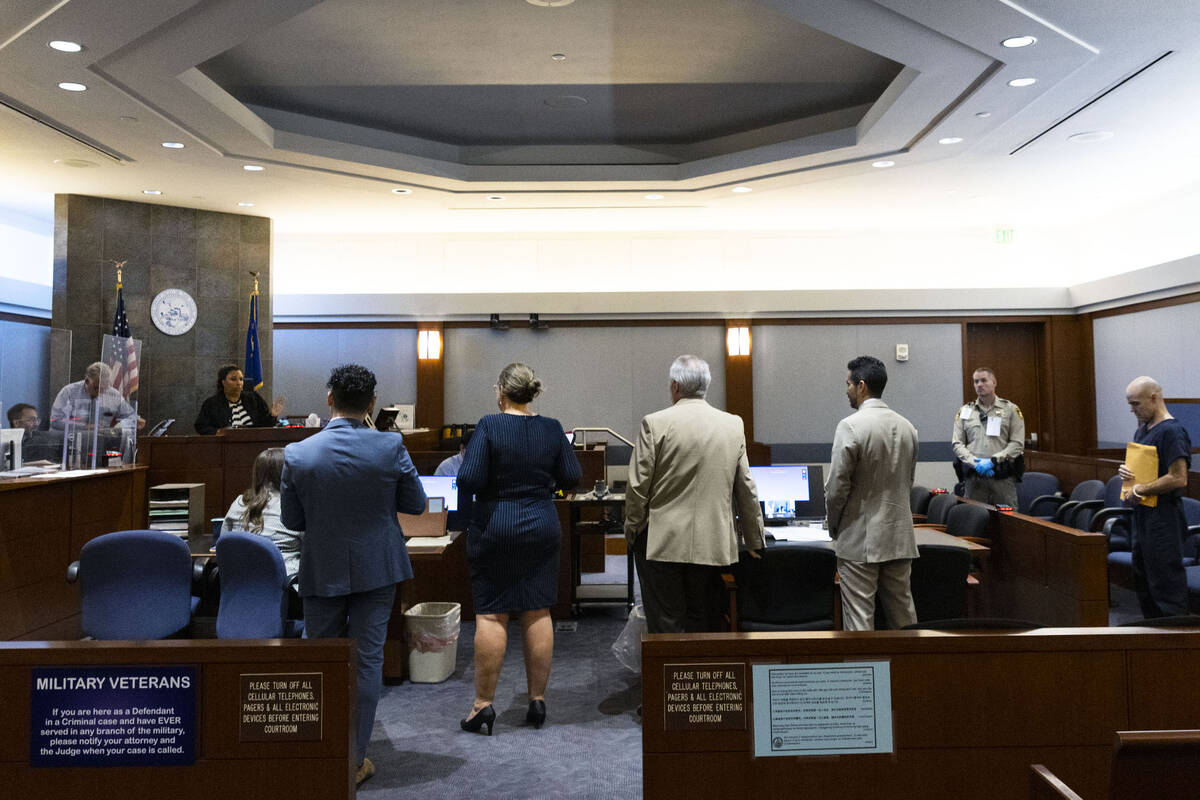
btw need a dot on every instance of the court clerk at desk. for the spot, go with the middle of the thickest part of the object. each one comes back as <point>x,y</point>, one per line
<point>233,406</point>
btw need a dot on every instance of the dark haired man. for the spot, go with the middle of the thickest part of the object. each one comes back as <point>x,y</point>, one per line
<point>23,415</point>
<point>866,499</point>
<point>343,488</point>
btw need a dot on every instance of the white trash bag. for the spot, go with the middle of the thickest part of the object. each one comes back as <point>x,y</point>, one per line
<point>628,646</point>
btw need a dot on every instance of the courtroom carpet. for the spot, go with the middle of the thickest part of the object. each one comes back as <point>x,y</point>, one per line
<point>590,747</point>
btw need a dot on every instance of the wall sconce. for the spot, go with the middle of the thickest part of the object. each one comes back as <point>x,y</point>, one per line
<point>429,345</point>
<point>737,341</point>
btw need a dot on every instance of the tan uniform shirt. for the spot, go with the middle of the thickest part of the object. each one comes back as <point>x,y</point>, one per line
<point>970,437</point>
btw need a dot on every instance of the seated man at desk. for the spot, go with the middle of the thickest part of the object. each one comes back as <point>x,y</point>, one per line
<point>92,398</point>
<point>451,465</point>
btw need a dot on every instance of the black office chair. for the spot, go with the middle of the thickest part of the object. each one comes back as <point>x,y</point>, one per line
<point>789,589</point>
<point>968,521</point>
<point>939,507</point>
<point>1188,621</point>
<point>939,584</point>
<point>918,499</point>
<point>1032,486</point>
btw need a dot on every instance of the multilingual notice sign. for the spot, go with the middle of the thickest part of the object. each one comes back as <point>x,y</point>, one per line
<point>112,716</point>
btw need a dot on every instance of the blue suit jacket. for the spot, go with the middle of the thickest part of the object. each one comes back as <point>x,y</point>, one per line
<point>343,487</point>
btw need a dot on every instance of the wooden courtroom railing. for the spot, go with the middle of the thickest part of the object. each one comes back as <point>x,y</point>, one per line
<point>970,711</point>
<point>1073,470</point>
<point>1158,764</point>
<point>227,763</point>
<point>44,522</point>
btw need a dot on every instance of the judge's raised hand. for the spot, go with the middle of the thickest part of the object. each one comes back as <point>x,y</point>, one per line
<point>277,406</point>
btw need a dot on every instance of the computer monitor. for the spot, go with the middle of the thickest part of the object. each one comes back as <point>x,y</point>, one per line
<point>444,486</point>
<point>794,491</point>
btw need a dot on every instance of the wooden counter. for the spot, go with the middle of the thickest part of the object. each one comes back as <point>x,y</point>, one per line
<point>44,522</point>
<point>224,765</point>
<point>970,711</point>
<point>222,462</point>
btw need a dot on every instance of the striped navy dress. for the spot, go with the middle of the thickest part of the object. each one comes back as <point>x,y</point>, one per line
<point>513,465</point>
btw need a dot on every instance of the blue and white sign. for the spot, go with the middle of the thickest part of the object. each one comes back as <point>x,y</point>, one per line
<point>113,716</point>
<point>822,709</point>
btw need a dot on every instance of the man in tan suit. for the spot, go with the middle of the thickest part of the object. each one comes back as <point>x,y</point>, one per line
<point>688,470</point>
<point>866,500</point>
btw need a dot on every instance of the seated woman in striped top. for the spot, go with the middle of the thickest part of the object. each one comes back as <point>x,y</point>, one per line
<point>234,406</point>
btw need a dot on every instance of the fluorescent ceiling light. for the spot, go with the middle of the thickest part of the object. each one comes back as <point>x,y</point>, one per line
<point>246,205</point>
<point>151,191</point>
<point>741,189</point>
<point>950,140</point>
<point>401,190</point>
<point>173,145</point>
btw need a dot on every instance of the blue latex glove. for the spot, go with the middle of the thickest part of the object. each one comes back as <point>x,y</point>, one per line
<point>983,466</point>
<point>990,472</point>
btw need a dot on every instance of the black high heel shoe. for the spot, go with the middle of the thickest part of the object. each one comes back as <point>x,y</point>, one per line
<point>537,713</point>
<point>484,716</point>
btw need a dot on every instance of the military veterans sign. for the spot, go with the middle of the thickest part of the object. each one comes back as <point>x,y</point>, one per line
<point>112,716</point>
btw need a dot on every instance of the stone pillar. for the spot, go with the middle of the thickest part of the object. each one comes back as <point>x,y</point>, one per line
<point>207,254</point>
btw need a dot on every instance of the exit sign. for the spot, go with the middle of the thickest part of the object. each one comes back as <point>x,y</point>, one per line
<point>1004,235</point>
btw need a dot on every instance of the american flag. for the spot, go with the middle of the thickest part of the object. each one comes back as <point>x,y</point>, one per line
<point>124,361</point>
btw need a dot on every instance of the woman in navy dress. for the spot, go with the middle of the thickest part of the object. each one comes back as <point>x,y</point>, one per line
<point>514,463</point>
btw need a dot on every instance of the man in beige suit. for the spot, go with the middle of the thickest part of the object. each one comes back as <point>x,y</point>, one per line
<point>866,500</point>
<point>688,471</point>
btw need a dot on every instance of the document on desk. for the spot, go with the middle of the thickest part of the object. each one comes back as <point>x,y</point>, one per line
<point>1142,460</point>
<point>822,709</point>
<point>799,533</point>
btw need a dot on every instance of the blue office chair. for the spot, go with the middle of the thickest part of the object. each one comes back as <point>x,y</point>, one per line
<point>1085,492</point>
<point>1033,486</point>
<point>134,585</point>
<point>254,588</point>
<point>1085,512</point>
<point>789,589</point>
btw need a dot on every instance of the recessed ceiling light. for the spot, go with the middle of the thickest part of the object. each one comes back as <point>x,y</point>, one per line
<point>741,189</point>
<point>559,57</point>
<point>1089,136</point>
<point>1019,41</point>
<point>1019,82</point>
<point>72,87</point>
<point>983,114</point>
<point>495,197</point>
<point>246,205</point>
<point>549,3</point>
<point>950,140</point>
<point>173,145</point>
<point>151,191</point>
<point>253,168</point>
<point>65,46</point>
<point>883,164</point>
<point>401,190</point>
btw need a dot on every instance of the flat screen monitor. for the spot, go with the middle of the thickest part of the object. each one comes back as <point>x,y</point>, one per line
<point>794,491</point>
<point>443,486</point>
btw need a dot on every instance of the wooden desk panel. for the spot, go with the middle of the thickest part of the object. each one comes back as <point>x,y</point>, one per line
<point>972,711</point>
<point>44,523</point>
<point>224,766</point>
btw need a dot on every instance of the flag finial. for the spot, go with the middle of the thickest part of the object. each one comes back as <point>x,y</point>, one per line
<point>120,265</point>
<point>255,275</point>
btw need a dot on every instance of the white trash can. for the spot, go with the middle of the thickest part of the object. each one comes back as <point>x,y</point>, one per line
<point>432,633</point>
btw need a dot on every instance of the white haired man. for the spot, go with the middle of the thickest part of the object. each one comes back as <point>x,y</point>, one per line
<point>687,473</point>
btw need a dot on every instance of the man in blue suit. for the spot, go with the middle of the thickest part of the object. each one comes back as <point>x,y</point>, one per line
<point>343,488</point>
